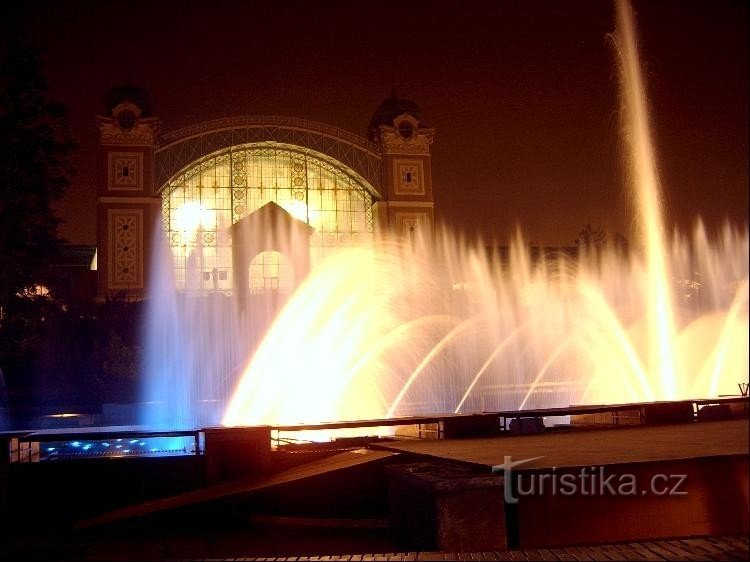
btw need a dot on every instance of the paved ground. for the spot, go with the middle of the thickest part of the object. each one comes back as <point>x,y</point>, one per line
<point>592,447</point>
<point>703,548</point>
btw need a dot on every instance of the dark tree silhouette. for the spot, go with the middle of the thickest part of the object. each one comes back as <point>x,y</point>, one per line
<point>35,145</point>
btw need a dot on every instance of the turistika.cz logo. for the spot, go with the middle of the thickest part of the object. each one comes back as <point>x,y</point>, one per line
<point>589,481</point>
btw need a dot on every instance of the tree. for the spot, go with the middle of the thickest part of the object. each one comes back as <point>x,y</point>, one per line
<point>35,170</point>
<point>35,145</point>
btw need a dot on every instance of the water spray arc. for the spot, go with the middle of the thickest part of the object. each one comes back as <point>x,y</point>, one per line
<point>406,327</point>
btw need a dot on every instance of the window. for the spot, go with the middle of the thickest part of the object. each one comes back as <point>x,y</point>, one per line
<point>126,120</point>
<point>201,204</point>
<point>406,130</point>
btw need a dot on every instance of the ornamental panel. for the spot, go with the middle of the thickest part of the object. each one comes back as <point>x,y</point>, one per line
<point>125,171</point>
<point>125,264</point>
<point>408,177</point>
<point>411,223</point>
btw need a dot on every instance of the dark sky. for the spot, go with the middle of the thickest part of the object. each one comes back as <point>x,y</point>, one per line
<point>523,95</point>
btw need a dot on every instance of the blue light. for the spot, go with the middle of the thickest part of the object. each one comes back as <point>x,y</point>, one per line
<point>87,447</point>
<point>153,450</point>
<point>75,444</point>
<point>142,443</point>
<point>133,441</point>
<point>50,449</point>
<point>118,446</point>
<point>126,450</point>
<point>105,444</point>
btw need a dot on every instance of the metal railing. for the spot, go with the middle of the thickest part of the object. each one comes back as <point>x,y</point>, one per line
<point>28,447</point>
<point>504,417</point>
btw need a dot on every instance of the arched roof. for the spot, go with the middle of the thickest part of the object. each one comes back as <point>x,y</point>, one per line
<point>176,150</point>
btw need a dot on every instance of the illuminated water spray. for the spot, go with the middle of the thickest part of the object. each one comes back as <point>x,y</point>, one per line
<point>647,194</point>
<point>442,325</point>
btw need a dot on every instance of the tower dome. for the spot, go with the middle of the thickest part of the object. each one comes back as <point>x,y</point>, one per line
<point>128,93</point>
<point>391,108</point>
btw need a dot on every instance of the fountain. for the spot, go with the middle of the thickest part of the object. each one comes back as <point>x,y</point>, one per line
<point>441,324</point>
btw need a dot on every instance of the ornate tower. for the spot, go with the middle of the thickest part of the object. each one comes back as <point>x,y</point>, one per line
<point>127,208</point>
<point>407,207</point>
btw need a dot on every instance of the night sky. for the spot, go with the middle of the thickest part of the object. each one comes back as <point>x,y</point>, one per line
<point>523,96</point>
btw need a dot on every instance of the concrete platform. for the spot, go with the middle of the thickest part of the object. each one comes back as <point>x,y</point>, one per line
<point>594,447</point>
<point>706,463</point>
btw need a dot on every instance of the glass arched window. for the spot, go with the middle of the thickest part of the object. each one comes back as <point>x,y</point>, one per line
<point>201,203</point>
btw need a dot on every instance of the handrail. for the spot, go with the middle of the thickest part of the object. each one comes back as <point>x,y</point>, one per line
<point>24,447</point>
<point>44,436</point>
<point>538,412</point>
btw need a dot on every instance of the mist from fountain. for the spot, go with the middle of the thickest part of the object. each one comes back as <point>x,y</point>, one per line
<point>447,328</point>
<point>443,324</point>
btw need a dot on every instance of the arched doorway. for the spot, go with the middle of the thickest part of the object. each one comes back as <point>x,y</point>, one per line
<point>270,253</point>
<point>271,272</point>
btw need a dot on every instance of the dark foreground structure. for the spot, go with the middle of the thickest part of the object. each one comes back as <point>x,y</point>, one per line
<point>648,481</point>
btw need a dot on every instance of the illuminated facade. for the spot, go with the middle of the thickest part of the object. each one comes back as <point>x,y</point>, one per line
<point>205,180</point>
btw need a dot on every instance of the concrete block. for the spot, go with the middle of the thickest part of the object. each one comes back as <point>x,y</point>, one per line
<point>667,412</point>
<point>236,452</point>
<point>715,412</point>
<point>446,507</point>
<point>471,426</point>
<point>526,426</point>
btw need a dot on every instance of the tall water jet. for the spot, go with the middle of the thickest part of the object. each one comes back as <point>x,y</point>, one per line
<point>647,194</point>
<point>166,403</point>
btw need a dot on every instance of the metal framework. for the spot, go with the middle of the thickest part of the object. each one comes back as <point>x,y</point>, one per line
<point>178,149</point>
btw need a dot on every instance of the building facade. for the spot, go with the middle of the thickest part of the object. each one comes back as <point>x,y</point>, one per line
<point>222,184</point>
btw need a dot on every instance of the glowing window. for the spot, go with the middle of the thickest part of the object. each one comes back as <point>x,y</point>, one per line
<point>202,202</point>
